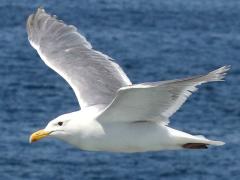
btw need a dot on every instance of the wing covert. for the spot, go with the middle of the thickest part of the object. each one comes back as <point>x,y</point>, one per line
<point>94,77</point>
<point>155,101</point>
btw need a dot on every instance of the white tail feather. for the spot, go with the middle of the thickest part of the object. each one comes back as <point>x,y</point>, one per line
<point>202,139</point>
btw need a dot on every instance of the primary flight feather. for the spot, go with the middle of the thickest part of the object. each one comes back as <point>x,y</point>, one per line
<point>115,114</point>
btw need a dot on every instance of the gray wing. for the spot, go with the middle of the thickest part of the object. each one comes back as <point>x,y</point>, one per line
<point>155,101</point>
<point>94,77</point>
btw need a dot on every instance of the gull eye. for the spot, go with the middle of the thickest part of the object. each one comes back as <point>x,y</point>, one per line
<point>60,123</point>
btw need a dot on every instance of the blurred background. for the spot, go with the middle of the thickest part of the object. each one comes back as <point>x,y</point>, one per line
<point>152,40</point>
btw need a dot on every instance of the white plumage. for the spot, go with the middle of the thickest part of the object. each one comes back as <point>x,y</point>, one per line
<point>115,115</point>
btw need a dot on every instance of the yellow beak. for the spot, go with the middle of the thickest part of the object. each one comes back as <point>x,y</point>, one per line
<point>38,135</point>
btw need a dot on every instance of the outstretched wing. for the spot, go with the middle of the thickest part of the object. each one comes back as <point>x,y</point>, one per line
<point>94,77</point>
<point>155,101</point>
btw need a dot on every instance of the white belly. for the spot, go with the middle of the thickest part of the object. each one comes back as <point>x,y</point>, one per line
<point>128,137</point>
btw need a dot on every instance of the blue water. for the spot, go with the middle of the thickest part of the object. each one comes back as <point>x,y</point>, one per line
<point>153,40</point>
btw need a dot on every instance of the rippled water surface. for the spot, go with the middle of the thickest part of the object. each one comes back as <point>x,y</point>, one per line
<point>153,40</point>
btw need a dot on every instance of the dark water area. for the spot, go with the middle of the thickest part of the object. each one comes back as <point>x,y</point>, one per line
<point>152,40</point>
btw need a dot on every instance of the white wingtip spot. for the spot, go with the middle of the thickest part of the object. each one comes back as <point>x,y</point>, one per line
<point>218,74</point>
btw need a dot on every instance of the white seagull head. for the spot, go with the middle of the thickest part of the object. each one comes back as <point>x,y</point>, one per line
<point>60,127</point>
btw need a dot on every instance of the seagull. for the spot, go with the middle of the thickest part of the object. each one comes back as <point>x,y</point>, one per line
<point>115,115</point>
